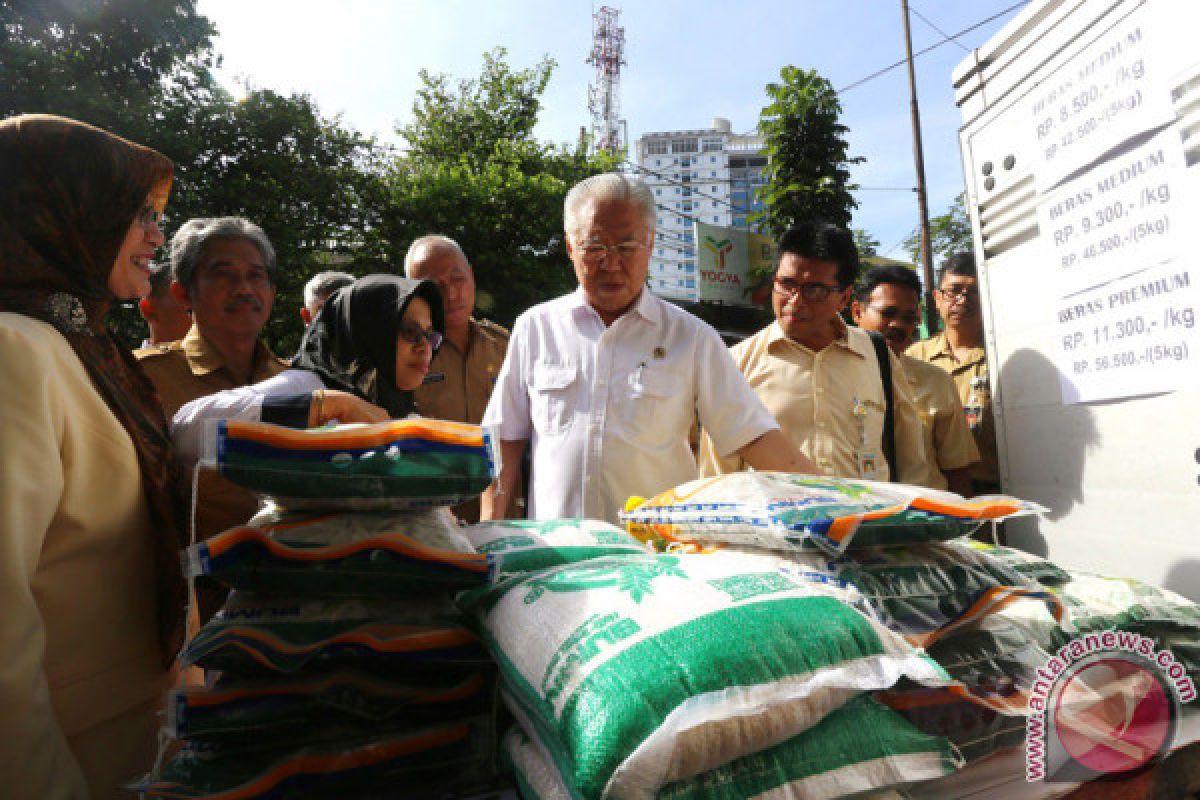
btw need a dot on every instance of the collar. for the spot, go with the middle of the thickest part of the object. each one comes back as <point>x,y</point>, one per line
<point>203,358</point>
<point>648,306</point>
<point>851,340</point>
<point>943,350</point>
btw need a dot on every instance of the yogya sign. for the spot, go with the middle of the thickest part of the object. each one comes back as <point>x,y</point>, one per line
<point>724,260</point>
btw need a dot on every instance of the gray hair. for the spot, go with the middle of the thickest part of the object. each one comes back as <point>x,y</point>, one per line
<point>431,241</point>
<point>608,187</point>
<point>323,284</point>
<point>188,243</point>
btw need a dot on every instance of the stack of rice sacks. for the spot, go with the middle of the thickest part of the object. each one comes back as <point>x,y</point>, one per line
<point>635,674</point>
<point>339,666</point>
<point>896,553</point>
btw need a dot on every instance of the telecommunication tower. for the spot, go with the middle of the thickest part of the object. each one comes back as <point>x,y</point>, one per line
<point>604,102</point>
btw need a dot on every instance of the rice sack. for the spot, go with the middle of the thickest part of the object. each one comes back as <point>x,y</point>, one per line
<point>247,712</point>
<point>975,731</point>
<point>784,511</point>
<point>263,635</point>
<point>426,761</point>
<point>528,545</point>
<point>410,463</point>
<point>861,747</point>
<point>927,592</point>
<point>342,553</point>
<point>1098,602</point>
<point>1040,569</point>
<point>639,671</point>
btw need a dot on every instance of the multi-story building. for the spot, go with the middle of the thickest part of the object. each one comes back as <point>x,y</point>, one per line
<point>706,175</point>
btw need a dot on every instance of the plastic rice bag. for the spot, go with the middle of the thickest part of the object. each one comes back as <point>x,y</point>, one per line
<point>784,511</point>
<point>528,545</point>
<point>342,553</point>
<point>410,463</point>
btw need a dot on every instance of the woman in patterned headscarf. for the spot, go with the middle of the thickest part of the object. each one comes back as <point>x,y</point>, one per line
<point>91,501</point>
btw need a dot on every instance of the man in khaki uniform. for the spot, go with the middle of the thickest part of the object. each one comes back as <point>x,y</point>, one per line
<point>225,274</point>
<point>820,379</point>
<point>888,302</point>
<point>959,351</point>
<point>464,369</point>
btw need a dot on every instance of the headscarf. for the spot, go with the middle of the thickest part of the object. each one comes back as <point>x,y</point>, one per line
<point>68,195</point>
<point>351,344</point>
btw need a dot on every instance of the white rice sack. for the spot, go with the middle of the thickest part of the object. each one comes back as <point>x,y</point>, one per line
<point>528,545</point>
<point>785,511</point>
<point>862,746</point>
<point>645,670</point>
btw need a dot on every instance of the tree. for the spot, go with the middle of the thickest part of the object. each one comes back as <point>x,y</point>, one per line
<point>475,172</point>
<point>949,233</point>
<point>866,244</point>
<point>807,174</point>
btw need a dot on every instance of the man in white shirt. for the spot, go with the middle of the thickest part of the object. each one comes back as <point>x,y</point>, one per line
<point>604,383</point>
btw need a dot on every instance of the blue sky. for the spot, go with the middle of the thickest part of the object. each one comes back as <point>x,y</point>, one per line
<point>687,63</point>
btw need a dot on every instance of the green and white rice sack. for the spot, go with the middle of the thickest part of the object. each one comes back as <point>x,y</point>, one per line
<point>1099,602</point>
<point>645,670</point>
<point>528,545</point>
<point>861,747</point>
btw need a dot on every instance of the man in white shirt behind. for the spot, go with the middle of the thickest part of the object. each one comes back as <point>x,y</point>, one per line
<point>604,383</point>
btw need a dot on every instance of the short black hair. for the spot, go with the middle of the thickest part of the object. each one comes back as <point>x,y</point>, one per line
<point>962,264</point>
<point>823,241</point>
<point>892,274</point>
<point>160,278</point>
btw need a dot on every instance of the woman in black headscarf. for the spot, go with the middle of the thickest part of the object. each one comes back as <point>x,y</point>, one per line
<point>365,352</point>
<point>91,494</point>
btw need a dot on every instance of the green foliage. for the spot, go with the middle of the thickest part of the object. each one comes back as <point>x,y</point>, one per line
<point>867,244</point>
<point>475,172</point>
<point>807,175</point>
<point>949,233</point>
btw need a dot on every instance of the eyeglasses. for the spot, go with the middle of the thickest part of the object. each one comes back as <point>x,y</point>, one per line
<point>414,334</point>
<point>811,292</point>
<point>891,313</point>
<point>957,293</point>
<point>150,219</point>
<point>595,254</point>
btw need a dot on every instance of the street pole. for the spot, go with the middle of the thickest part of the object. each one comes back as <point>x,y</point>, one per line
<point>931,319</point>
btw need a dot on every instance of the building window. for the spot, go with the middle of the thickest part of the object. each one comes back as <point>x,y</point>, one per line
<point>657,147</point>
<point>714,203</point>
<point>716,219</point>
<point>711,145</point>
<point>687,191</point>
<point>658,192</point>
<point>690,145</point>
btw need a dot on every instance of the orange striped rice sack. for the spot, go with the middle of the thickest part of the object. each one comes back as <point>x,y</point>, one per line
<point>439,760</point>
<point>784,511</point>
<point>342,553</point>
<point>238,711</point>
<point>410,463</point>
<point>406,639</point>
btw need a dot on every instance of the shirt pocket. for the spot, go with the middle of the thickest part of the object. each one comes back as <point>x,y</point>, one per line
<point>552,397</point>
<point>646,410</point>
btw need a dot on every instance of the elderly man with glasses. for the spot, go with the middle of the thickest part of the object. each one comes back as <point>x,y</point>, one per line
<point>604,383</point>
<point>888,302</point>
<point>959,351</point>
<point>821,379</point>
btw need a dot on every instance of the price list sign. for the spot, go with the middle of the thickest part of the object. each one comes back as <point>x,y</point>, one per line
<point>1112,90</point>
<point>1132,336</point>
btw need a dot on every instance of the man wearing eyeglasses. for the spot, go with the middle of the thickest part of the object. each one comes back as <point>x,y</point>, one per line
<point>604,383</point>
<point>959,351</point>
<point>466,366</point>
<point>819,378</point>
<point>888,302</point>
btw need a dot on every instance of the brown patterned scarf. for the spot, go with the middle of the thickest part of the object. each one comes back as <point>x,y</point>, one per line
<point>68,195</point>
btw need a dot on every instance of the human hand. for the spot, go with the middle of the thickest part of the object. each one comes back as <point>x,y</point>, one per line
<point>330,404</point>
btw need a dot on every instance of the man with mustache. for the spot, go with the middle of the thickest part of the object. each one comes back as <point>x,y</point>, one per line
<point>888,301</point>
<point>821,379</point>
<point>959,351</point>
<point>225,273</point>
